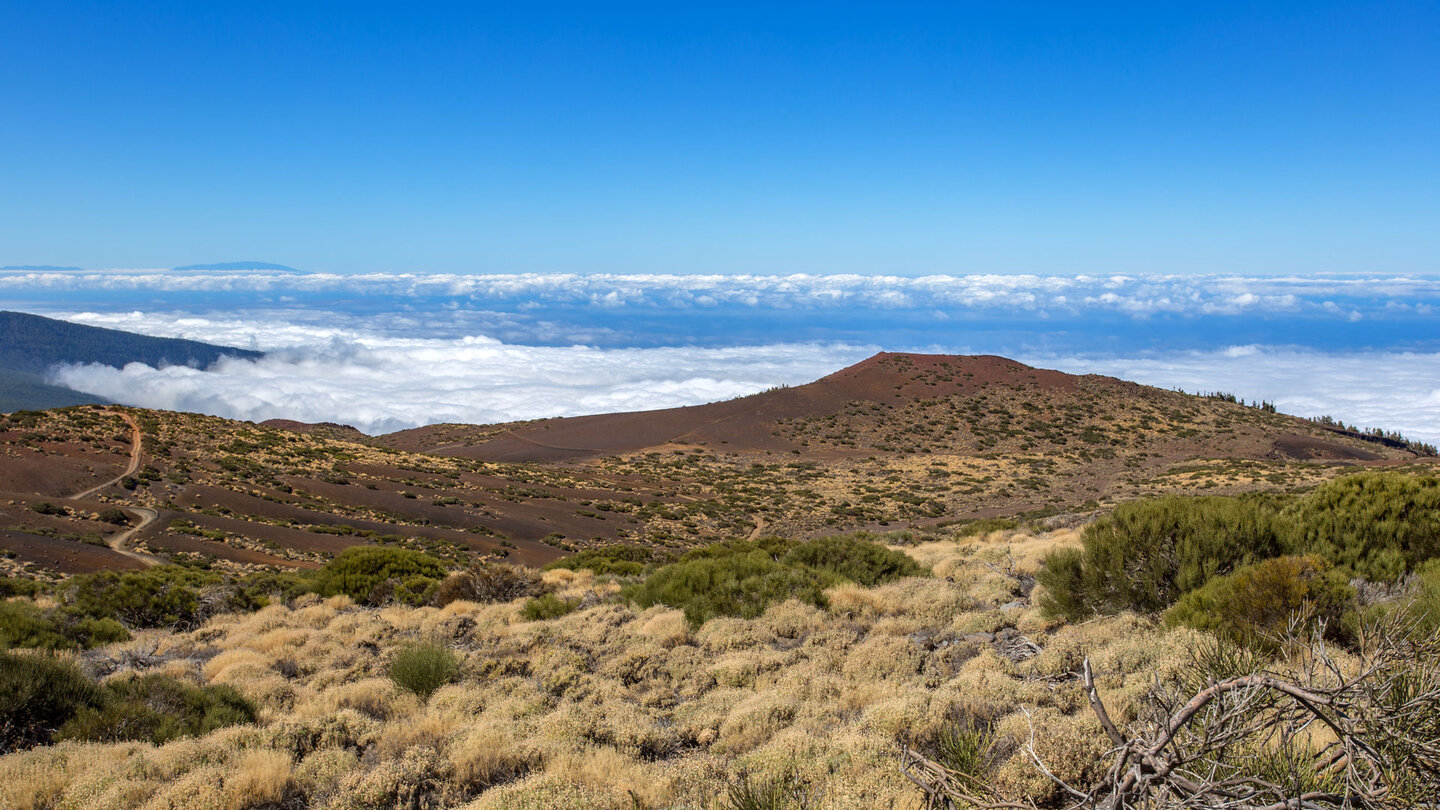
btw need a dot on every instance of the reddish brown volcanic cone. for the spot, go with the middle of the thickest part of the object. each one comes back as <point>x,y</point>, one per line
<point>747,423</point>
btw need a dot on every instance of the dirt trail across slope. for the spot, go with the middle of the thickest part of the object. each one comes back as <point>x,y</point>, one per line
<point>134,458</point>
<point>145,515</point>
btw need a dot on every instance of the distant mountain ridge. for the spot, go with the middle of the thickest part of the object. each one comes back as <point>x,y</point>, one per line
<point>32,344</point>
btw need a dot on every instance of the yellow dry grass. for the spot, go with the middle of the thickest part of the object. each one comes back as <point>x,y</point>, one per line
<point>610,706</point>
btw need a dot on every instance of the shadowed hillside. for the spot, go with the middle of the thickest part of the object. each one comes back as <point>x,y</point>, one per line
<point>31,344</point>
<point>34,343</point>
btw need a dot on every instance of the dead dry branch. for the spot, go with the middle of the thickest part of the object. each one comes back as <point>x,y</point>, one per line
<point>1326,731</point>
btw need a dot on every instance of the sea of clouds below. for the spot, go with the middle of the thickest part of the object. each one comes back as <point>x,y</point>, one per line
<point>385,351</point>
<point>382,382</point>
<point>1351,297</point>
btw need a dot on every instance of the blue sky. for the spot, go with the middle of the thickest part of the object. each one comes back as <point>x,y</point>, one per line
<point>888,138</point>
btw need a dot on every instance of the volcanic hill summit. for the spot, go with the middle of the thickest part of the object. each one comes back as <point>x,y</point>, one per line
<point>918,403</point>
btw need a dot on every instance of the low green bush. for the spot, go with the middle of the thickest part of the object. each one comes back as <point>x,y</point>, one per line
<point>259,588</point>
<point>378,574</point>
<point>163,596</point>
<point>1256,605</point>
<point>741,585</point>
<point>967,748</point>
<point>548,606</point>
<point>114,515</point>
<point>38,694</point>
<point>1424,605</point>
<point>423,668</point>
<point>786,790</point>
<point>1380,525</point>
<point>156,708</point>
<point>24,625</point>
<point>855,559</point>
<point>1146,554</point>
<point>15,586</point>
<point>620,560</point>
<point>979,526</point>
<point>744,577</point>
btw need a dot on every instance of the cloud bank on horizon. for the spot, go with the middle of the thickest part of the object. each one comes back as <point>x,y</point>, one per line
<point>380,383</point>
<point>387,351</point>
<point>1349,297</point>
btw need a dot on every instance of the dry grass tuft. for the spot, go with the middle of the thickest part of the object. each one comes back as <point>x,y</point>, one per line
<point>259,778</point>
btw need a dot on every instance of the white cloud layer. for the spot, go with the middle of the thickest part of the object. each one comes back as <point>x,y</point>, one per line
<point>383,384</point>
<point>1345,297</point>
<point>380,383</point>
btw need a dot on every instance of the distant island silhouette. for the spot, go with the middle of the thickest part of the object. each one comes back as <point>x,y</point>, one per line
<point>235,266</point>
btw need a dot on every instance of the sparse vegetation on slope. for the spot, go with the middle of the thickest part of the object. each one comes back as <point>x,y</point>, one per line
<point>359,627</point>
<point>610,704</point>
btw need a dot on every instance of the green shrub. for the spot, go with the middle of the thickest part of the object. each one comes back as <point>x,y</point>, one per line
<point>1422,605</point>
<point>114,515</point>
<point>90,632</point>
<point>548,606</point>
<point>257,589</point>
<point>744,577</point>
<point>163,596</point>
<point>47,508</point>
<point>783,791</point>
<point>967,748</point>
<point>857,560</point>
<point>620,560</point>
<point>1255,605</point>
<point>741,585</point>
<point>490,582</point>
<point>979,526</point>
<point>360,571</point>
<point>14,586</point>
<point>1377,524</point>
<point>423,668</point>
<point>1066,593</point>
<point>1146,554</point>
<point>38,694</point>
<point>26,626</point>
<point>156,708</point>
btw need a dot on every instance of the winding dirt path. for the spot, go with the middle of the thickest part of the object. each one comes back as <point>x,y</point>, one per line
<point>119,539</point>
<point>144,514</point>
<point>134,458</point>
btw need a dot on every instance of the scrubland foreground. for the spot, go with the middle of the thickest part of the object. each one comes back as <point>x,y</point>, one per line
<point>777,673</point>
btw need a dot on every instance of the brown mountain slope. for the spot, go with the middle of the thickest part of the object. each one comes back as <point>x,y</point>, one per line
<point>891,401</point>
<point>896,441</point>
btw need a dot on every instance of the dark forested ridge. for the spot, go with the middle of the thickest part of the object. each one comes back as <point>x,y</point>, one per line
<point>21,391</point>
<point>31,344</point>
<point>34,343</point>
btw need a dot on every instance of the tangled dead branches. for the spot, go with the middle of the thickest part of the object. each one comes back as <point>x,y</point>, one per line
<point>1329,731</point>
